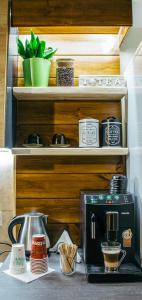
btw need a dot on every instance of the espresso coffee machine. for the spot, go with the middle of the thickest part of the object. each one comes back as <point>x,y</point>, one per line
<point>110,217</point>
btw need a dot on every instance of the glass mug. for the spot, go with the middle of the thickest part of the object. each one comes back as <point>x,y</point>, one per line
<point>67,266</point>
<point>111,252</point>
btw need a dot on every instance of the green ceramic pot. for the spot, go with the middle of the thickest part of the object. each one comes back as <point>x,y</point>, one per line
<point>27,72</point>
<point>36,71</point>
<point>40,71</point>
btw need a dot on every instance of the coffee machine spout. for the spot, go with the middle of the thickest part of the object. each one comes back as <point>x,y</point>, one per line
<point>93,227</point>
<point>112,225</point>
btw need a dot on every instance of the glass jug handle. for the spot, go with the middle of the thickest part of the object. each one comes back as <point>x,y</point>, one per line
<point>122,258</point>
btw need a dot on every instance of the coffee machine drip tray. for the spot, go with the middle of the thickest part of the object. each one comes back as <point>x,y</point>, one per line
<point>127,273</point>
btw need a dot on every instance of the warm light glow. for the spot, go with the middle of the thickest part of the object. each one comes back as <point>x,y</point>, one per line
<point>81,44</point>
<point>110,44</point>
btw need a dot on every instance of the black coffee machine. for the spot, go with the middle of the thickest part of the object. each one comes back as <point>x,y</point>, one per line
<point>110,217</point>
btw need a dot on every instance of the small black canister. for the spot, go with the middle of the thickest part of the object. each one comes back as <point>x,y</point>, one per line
<point>111,132</point>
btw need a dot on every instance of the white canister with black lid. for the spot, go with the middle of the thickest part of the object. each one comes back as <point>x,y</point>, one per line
<point>111,132</point>
<point>89,132</point>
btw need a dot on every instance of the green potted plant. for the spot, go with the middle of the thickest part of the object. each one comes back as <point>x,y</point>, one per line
<point>36,61</point>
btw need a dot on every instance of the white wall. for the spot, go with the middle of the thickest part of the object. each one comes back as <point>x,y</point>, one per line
<point>7,192</point>
<point>131,67</point>
<point>137,13</point>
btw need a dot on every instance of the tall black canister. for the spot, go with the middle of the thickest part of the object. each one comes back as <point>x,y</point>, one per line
<point>111,132</point>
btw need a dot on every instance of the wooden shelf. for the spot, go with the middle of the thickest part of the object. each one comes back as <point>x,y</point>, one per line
<point>71,151</point>
<point>69,93</point>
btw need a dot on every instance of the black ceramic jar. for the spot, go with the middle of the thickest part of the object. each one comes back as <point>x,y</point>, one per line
<point>111,132</point>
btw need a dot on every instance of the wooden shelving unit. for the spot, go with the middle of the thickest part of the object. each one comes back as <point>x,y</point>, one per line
<point>73,93</point>
<point>71,151</point>
<point>69,93</point>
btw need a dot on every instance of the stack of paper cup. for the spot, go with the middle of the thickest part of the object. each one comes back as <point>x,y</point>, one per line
<point>38,265</point>
<point>17,259</point>
<point>38,259</point>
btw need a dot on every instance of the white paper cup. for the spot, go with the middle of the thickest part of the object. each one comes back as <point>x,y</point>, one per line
<point>17,259</point>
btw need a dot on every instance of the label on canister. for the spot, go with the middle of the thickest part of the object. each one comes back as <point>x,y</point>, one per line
<point>89,133</point>
<point>111,134</point>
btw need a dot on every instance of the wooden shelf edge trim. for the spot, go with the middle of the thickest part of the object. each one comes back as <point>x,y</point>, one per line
<point>71,30</point>
<point>71,151</point>
<point>69,93</point>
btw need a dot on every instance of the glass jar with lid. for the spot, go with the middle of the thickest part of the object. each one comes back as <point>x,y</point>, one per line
<point>65,72</point>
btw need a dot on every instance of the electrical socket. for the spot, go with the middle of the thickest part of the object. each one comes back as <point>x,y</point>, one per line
<point>1,218</point>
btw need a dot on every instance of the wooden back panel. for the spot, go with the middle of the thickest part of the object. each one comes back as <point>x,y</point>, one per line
<point>52,185</point>
<point>48,118</point>
<point>94,52</point>
<point>71,13</point>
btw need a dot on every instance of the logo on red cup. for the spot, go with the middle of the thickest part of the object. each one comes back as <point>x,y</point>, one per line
<point>38,250</point>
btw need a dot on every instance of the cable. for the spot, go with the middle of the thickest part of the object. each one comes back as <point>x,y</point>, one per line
<point>4,252</point>
<point>7,244</point>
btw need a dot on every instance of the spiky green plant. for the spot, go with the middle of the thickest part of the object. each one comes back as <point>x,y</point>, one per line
<point>34,48</point>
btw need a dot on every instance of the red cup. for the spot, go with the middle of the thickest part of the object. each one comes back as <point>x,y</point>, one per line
<point>38,250</point>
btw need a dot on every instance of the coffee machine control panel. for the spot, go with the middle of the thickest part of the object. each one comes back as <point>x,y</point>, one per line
<point>103,199</point>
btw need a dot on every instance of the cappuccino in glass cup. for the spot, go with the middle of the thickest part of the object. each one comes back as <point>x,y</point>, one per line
<point>111,252</point>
